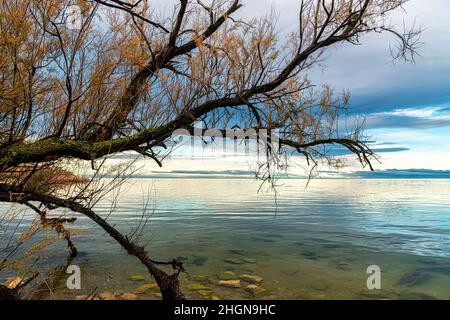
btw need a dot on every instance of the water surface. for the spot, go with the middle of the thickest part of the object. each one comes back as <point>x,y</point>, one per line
<point>308,243</point>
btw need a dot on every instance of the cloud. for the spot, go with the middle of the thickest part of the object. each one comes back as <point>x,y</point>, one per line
<point>387,150</point>
<point>376,83</point>
<point>391,121</point>
<point>342,151</point>
<point>419,93</point>
<point>387,143</point>
<point>410,118</point>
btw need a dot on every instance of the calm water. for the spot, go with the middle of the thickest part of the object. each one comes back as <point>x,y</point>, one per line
<point>313,243</point>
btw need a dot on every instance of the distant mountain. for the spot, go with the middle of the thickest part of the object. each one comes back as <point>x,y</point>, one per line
<point>213,172</point>
<point>381,174</point>
<point>402,174</point>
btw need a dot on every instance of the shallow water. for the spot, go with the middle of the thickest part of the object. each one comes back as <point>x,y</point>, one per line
<point>313,243</point>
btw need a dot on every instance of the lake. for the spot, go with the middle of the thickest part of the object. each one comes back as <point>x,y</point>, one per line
<point>312,242</point>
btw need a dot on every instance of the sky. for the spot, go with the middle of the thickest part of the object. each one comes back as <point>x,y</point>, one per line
<point>406,105</point>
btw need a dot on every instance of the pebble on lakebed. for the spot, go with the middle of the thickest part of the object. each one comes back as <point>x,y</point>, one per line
<point>107,296</point>
<point>254,289</point>
<point>146,287</point>
<point>229,283</point>
<point>227,275</point>
<point>204,293</point>
<point>137,278</point>
<point>251,279</point>
<point>201,278</point>
<point>415,278</point>
<point>234,260</point>
<point>198,286</point>
<point>128,296</point>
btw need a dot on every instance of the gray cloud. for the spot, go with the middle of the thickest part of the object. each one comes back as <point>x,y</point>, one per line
<point>388,143</point>
<point>394,121</point>
<point>377,84</point>
<point>341,151</point>
<point>387,150</point>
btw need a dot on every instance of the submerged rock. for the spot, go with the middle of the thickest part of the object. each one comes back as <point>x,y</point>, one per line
<point>384,294</point>
<point>199,260</point>
<point>248,260</point>
<point>254,289</point>
<point>183,258</point>
<point>146,287</point>
<point>238,252</point>
<point>395,295</point>
<point>341,265</point>
<point>234,261</point>
<point>137,278</point>
<point>417,296</point>
<point>310,255</point>
<point>320,287</point>
<point>230,283</point>
<point>291,273</point>
<point>442,269</point>
<point>216,298</point>
<point>128,296</point>
<point>198,286</point>
<point>251,279</point>
<point>427,262</point>
<point>204,293</point>
<point>415,278</point>
<point>227,275</point>
<point>107,296</point>
<point>201,278</point>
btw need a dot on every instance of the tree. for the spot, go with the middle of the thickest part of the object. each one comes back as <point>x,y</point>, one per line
<point>125,79</point>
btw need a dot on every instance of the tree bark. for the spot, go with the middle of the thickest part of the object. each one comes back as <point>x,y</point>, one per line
<point>8,294</point>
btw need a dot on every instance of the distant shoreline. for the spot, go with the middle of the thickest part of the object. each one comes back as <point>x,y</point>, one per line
<point>249,177</point>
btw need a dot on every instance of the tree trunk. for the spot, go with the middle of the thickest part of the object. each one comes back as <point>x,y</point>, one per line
<point>170,287</point>
<point>8,294</point>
